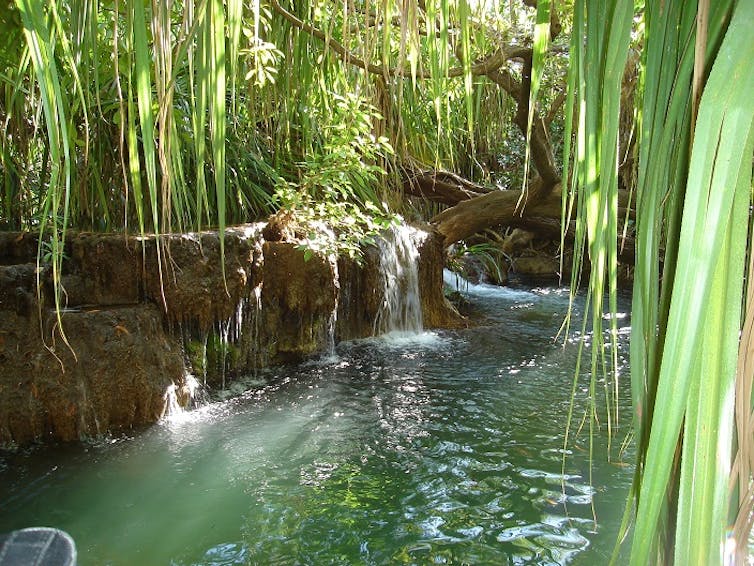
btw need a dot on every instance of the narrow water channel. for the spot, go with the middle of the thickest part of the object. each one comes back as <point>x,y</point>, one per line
<point>442,448</point>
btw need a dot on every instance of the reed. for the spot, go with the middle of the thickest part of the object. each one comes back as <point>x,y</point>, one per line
<point>693,475</point>
<point>161,116</point>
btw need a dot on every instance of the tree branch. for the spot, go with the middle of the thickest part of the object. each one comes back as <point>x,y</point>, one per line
<point>554,108</point>
<point>482,66</point>
<point>541,152</point>
<point>499,207</point>
<point>441,186</point>
<point>471,215</point>
<point>555,26</point>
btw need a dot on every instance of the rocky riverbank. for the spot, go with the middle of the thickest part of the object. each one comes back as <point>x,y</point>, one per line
<point>137,323</point>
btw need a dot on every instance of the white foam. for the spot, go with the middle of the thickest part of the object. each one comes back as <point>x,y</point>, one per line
<point>401,338</point>
<point>401,302</point>
<point>457,283</point>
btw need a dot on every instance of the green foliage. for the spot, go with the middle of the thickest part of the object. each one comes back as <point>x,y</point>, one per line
<point>596,72</point>
<point>144,110</point>
<point>172,116</point>
<point>336,202</point>
<point>332,226</point>
<point>347,166</point>
<point>692,223</point>
<point>182,116</point>
<point>694,392</point>
<point>490,256</point>
<point>262,59</point>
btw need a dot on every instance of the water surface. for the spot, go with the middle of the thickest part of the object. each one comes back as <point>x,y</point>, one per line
<point>443,448</point>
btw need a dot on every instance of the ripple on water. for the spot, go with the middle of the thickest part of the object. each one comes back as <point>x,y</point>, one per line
<point>421,449</point>
<point>543,542</point>
<point>226,554</point>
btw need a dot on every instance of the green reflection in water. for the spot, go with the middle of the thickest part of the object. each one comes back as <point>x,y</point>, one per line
<point>441,449</point>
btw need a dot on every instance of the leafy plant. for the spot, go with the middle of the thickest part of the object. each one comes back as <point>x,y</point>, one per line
<point>490,256</point>
<point>336,201</point>
<point>334,227</point>
<point>690,371</point>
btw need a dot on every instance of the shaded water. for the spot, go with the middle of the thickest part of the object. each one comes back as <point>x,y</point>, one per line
<point>439,449</point>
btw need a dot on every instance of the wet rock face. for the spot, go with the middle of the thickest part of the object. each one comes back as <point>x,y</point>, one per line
<point>360,296</point>
<point>361,290</point>
<point>190,283</point>
<point>103,270</point>
<point>17,248</point>
<point>298,300</point>
<point>17,283</point>
<point>136,324</point>
<point>436,309</point>
<point>119,361</point>
<point>123,363</point>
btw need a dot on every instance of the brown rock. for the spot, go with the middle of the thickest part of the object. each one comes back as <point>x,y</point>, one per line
<point>113,376</point>
<point>298,300</point>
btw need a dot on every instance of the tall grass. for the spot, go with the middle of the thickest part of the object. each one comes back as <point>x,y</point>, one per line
<point>134,124</point>
<point>693,228</point>
<point>182,115</point>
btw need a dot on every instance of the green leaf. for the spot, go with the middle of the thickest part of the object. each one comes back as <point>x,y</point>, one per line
<point>720,168</point>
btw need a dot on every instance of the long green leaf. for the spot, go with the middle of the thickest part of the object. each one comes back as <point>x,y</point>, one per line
<point>539,52</point>
<point>142,71</point>
<point>708,427</point>
<point>216,86</point>
<point>235,16</point>
<point>595,162</point>
<point>57,198</point>
<point>719,159</point>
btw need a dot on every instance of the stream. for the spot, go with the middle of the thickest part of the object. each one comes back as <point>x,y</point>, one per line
<point>432,448</point>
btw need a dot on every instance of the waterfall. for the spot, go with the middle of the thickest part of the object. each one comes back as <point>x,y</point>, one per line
<point>332,323</point>
<point>181,398</point>
<point>401,309</point>
<point>172,406</point>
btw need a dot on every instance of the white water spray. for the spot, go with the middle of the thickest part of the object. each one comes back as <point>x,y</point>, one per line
<point>179,399</point>
<point>401,309</point>
<point>332,323</point>
<point>172,406</point>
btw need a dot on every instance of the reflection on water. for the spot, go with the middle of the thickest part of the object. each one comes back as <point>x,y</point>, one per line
<point>442,448</point>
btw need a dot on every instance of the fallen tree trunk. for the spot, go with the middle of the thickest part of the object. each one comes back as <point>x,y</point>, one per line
<point>442,187</point>
<point>507,208</point>
<point>499,207</point>
<point>551,228</point>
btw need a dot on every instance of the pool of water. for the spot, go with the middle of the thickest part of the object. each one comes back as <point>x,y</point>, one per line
<point>442,448</point>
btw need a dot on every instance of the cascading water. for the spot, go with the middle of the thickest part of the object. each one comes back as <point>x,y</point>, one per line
<point>232,345</point>
<point>400,310</point>
<point>179,399</point>
<point>172,406</point>
<point>333,321</point>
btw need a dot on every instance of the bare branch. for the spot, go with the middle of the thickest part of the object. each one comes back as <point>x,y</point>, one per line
<point>499,207</point>
<point>541,151</point>
<point>554,108</point>
<point>441,186</point>
<point>555,26</point>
